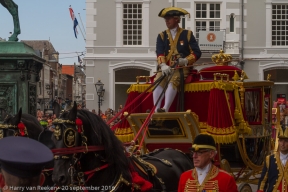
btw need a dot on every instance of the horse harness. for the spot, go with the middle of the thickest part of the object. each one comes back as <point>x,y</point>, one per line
<point>73,153</point>
<point>16,130</point>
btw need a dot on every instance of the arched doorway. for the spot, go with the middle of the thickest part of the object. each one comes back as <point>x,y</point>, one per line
<point>123,79</point>
<point>280,77</point>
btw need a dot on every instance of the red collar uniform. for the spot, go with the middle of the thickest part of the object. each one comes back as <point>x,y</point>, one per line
<point>216,180</point>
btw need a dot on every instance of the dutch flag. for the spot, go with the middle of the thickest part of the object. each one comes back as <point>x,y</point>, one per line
<point>75,22</point>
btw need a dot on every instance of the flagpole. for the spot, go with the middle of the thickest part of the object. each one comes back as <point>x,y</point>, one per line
<point>81,32</point>
<point>82,23</point>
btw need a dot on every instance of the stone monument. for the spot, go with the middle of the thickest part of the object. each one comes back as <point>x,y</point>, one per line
<point>20,68</point>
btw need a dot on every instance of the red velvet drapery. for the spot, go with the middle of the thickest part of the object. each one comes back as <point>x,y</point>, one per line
<point>220,119</point>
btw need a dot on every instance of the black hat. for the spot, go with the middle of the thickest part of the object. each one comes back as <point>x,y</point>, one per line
<point>23,157</point>
<point>172,11</point>
<point>204,141</point>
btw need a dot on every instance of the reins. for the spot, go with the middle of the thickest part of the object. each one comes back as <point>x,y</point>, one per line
<point>134,100</point>
<point>80,149</point>
<point>149,117</point>
<point>156,83</point>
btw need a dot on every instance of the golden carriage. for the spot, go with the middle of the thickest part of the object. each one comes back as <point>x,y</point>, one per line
<point>224,103</point>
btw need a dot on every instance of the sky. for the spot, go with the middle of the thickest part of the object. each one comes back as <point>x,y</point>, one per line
<point>49,19</point>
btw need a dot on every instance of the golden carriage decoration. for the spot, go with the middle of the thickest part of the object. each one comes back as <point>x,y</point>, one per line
<point>224,103</point>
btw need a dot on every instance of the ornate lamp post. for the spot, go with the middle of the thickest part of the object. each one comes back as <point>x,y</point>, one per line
<point>100,92</point>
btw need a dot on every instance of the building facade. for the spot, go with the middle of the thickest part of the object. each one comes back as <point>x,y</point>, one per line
<point>48,84</point>
<point>121,38</point>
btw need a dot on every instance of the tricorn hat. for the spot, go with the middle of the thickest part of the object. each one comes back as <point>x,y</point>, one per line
<point>283,133</point>
<point>172,11</point>
<point>203,141</point>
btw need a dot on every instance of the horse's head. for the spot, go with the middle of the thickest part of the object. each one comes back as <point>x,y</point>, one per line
<point>87,150</point>
<point>66,136</point>
<point>12,126</point>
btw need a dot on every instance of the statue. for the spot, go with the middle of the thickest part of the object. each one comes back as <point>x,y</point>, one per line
<point>13,9</point>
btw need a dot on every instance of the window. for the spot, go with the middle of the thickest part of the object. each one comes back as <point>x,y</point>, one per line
<point>40,89</point>
<point>132,24</point>
<point>232,20</point>
<point>183,22</point>
<point>207,17</point>
<point>280,25</point>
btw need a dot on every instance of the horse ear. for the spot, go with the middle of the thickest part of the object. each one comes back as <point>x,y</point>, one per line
<point>56,108</point>
<point>17,118</point>
<point>73,112</point>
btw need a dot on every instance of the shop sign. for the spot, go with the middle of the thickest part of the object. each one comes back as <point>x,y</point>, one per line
<point>211,40</point>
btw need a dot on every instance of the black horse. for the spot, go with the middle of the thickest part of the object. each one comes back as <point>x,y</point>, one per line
<point>21,125</point>
<point>89,154</point>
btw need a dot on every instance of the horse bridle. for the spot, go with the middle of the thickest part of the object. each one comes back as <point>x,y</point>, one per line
<point>18,130</point>
<point>72,152</point>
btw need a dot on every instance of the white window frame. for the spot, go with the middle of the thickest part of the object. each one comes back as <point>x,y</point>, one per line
<point>207,19</point>
<point>145,22</point>
<point>280,28</point>
<point>269,21</point>
<point>132,26</point>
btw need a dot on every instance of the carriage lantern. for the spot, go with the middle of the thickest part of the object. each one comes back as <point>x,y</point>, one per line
<point>100,92</point>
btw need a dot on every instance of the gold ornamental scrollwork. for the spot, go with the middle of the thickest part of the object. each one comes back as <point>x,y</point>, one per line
<point>61,121</point>
<point>57,132</point>
<point>1,134</point>
<point>69,137</point>
<point>6,126</point>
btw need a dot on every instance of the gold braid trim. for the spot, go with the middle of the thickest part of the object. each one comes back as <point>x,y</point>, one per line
<point>189,87</point>
<point>161,59</point>
<point>6,126</point>
<point>280,169</point>
<point>243,126</point>
<point>140,88</point>
<point>223,135</point>
<point>263,182</point>
<point>162,36</point>
<point>173,43</point>
<point>61,121</point>
<point>166,10</point>
<point>197,147</point>
<point>124,134</point>
<point>191,58</point>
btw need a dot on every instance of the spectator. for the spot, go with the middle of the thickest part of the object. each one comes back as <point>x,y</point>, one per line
<point>22,161</point>
<point>93,111</point>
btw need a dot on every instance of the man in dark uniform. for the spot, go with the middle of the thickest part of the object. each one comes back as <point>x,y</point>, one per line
<point>171,43</point>
<point>274,176</point>
<point>22,161</point>
<point>205,176</point>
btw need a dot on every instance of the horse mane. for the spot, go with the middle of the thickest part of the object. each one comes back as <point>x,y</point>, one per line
<point>33,126</point>
<point>99,133</point>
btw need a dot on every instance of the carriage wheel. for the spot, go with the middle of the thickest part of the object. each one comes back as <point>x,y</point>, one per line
<point>244,187</point>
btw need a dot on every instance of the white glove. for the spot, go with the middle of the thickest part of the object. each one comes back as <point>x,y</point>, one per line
<point>182,62</point>
<point>166,70</point>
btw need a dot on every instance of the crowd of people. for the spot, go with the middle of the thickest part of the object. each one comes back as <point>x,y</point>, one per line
<point>109,114</point>
<point>46,119</point>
